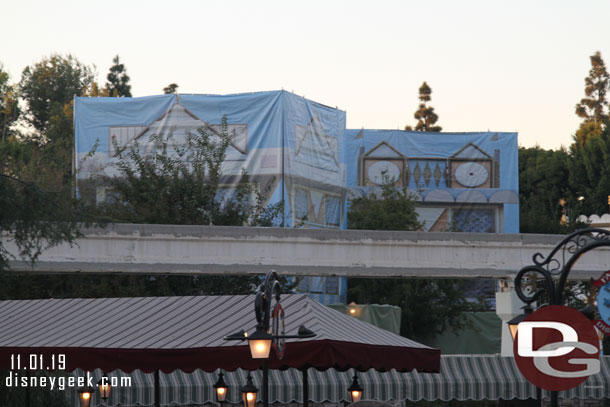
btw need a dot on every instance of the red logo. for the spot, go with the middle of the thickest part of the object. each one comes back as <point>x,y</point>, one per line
<point>556,348</point>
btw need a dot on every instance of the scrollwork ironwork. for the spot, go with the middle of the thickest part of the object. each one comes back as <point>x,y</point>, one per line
<point>264,294</point>
<point>559,262</point>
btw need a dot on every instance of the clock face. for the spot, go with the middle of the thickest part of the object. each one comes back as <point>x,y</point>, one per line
<point>381,171</point>
<point>471,174</point>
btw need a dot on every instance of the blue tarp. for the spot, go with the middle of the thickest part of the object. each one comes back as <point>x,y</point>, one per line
<point>465,181</point>
<point>278,137</point>
<point>312,163</point>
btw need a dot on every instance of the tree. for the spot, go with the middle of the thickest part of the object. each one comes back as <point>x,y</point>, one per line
<point>118,80</point>
<point>426,305</point>
<point>171,183</point>
<point>590,169</point>
<point>36,205</point>
<point>547,202</point>
<point>175,184</point>
<point>48,86</point>
<point>48,89</point>
<point>425,115</point>
<point>171,88</point>
<point>593,107</point>
<point>391,209</point>
<point>34,219</point>
<point>9,107</point>
<point>590,151</point>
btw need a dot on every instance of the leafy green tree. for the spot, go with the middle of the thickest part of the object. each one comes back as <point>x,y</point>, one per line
<point>48,86</point>
<point>176,185</point>
<point>171,88</point>
<point>425,115</point>
<point>589,172</point>
<point>34,219</point>
<point>180,184</point>
<point>391,208</point>
<point>593,107</point>
<point>9,107</point>
<point>426,305</point>
<point>118,80</point>
<point>169,183</point>
<point>547,202</point>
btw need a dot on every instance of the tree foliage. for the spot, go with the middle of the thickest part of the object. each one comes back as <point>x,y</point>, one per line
<point>117,84</point>
<point>425,115</point>
<point>9,105</point>
<point>35,219</point>
<point>37,206</point>
<point>48,86</point>
<point>180,184</point>
<point>38,210</point>
<point>590,170</point>
<point>547,203</point>
<point>593,107</point>
<point>426,305</point>
<point>590,151</point>
<point>391,208</point>
<point>171,88</point>
<point>173,183</point>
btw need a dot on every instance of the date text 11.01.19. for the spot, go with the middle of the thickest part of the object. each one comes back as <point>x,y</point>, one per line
<point>34,361</point>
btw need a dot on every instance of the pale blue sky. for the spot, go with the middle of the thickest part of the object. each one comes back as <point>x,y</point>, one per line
<point>492,65</point>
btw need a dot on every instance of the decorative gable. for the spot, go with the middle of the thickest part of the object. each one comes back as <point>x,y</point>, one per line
<point>471,152</point>
<point>383,164</point>
<point>383,150</point>
<point>177,121</point>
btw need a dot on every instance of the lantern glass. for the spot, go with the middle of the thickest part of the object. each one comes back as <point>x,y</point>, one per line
<point>356,395</point>
<point>84,396</point>
<point>104,385</point>
<point>249,399</point>
<point>260,343</point>
<point>513,324</point>
<point>353,309</point>
<point>221,388</point>
<point>248,393</point>
<point>260,348</point>
<point>513,330</point>
<point>355,390</point>
<point>221,393</point>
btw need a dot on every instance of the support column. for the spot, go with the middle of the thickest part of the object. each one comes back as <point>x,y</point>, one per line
<point>157,390</point>
<point>266,383</point>
<point>508,306</point>
<point>305,388</point>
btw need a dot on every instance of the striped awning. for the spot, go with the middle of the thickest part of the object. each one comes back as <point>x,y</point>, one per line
<point>187,333</point>
<point>462,377</point>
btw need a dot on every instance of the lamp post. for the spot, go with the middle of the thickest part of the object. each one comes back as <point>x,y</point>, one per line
<point>559,263</point>
<point>261,340</point>
<point>513,324</point>
<point>221,389</point>
<point>248,392</point>
<point>355,390</point>
<point>104,385</point>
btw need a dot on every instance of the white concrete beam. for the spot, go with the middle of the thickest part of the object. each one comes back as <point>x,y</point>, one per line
<point>125,248</point>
